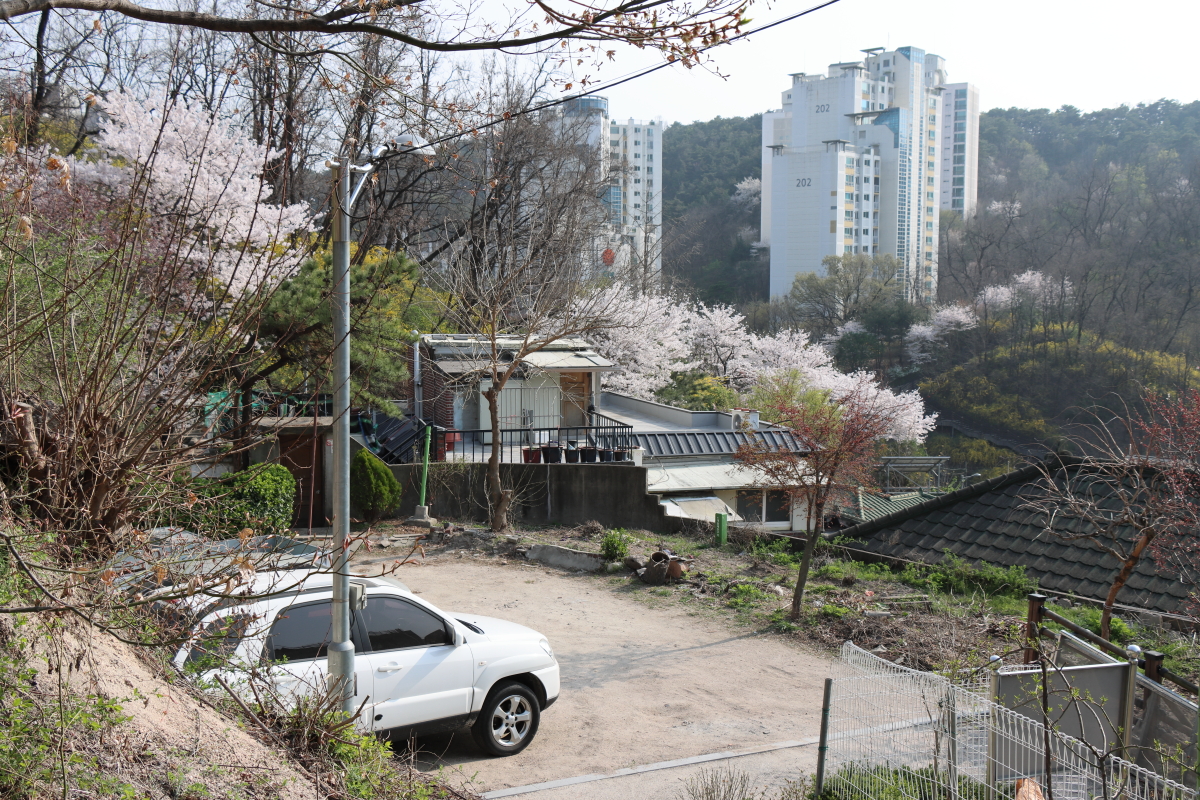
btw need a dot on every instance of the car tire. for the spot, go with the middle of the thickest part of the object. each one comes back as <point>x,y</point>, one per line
<point>508,720</point>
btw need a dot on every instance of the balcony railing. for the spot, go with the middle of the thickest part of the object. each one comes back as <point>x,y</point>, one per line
<point>600,443</point>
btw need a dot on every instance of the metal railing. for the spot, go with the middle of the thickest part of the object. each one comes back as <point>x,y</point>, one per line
<point>892,732</point>
<point>561,445</point>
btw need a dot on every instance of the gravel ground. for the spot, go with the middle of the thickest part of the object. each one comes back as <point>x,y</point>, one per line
<point>643,680</point>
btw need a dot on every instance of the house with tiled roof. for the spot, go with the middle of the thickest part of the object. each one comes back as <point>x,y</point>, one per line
<point>992,522</point>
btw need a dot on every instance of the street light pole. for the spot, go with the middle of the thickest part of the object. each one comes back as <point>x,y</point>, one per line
<point>341,649</point>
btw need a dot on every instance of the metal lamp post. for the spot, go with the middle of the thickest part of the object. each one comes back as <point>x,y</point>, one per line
<point>341,649</point>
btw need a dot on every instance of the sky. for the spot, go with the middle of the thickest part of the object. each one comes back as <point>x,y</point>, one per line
<point>1042,54</point>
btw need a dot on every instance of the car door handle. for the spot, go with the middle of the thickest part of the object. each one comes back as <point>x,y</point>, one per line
<point>390,668</point>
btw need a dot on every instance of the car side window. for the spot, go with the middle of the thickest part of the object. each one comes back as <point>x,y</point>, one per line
<point>301,632</point>
<point>393,624</point>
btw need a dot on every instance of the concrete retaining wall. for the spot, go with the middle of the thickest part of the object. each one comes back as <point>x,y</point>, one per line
<point>546,494</point>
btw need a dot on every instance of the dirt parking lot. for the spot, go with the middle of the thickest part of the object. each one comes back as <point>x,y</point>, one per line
<point>643,681</point>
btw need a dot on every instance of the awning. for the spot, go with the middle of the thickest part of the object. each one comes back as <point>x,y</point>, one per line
<point>705,508</point>
<point>569,361</point>
<point>684,477</point>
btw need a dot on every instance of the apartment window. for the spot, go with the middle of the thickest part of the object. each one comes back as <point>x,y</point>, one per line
<point>960,93</point>
<point>933,101</point>
<point>866,215</point>
<point>929,180</point>
<point>960,159</point>
<point>637,130</point>
<point>887,62</point>
<point>959,170</point>
<point>928,243</point>
<point>637,219</point>
<point>877,167</point>
<point>848,249</point>
<point>933,135</point>
<point>849,162</point>
<point>637,169</point>
<point>637,141</point>
<point>930,165</point>
<point>648,169</point>
<point>960,115</point>
<point>849,231</point>
<point>866,232</point>
<point>956,203</point>
<point>637,205</point>
<point>867,197</point>
<point>957,193</point>
<point>650,157</point>
<point>929,225</point>
<point>637,180</point>
<point>615,142</point>
<point>614,130</point>
<point>960,137</point>
<point>849,180</point>
<point>849,215</point>
<point>849,197</point>
<point>960,148</point>
<point>929,196</point>
<point>649,182</point>
<point>929,210</point>
<point>959,127</point>
<point>933,119</point>
<point>958,182</point>
<point>637,194</point>
<point>932,150</point>
<point>637,155</point>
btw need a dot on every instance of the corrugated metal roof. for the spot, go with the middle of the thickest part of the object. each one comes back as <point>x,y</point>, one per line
<point>710,443</point>
<point>868,505</point>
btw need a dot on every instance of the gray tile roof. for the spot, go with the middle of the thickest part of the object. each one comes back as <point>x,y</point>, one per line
<point>986,523</point>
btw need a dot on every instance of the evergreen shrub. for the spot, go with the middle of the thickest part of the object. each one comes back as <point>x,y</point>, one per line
<point>373,489</point>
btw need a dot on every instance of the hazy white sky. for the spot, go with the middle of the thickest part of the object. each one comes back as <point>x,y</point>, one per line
<point>1026,53</point>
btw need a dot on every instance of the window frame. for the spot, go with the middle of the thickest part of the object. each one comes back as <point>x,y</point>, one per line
<point>359,623</point>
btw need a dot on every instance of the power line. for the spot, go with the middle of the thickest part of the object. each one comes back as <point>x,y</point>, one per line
<point>632,77</point>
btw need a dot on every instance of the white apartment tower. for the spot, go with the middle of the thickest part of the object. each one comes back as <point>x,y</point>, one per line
<point>632,157</point>
<point>851,164</point>
<point>960,148</point>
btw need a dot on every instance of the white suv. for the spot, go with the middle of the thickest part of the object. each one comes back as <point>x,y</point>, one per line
<point>419,669</point>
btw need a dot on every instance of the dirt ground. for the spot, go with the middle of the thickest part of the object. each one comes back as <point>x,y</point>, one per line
<point>643,680</point>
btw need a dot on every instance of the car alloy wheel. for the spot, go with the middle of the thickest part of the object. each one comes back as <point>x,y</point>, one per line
<point>508,720</point>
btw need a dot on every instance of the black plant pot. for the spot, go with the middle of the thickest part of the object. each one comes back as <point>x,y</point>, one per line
<point>587,455</point>
<point>572,456</point>
<point>551,454</point>
<point>606,454</point>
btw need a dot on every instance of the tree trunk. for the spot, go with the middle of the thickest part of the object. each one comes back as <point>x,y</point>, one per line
<point>810,545</point>
<point>1118,583</point>
<point>498,497</point>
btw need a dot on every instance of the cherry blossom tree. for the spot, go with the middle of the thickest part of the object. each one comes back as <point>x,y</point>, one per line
<point>924,339</point>
<point>841,429</point>
<point>202,174</point>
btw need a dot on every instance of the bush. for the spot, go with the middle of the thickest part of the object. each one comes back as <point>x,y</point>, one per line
<point>954,575</point>
<point>614,546</point>
<point>373,489</point>
<point>262,498</point>
<point>1089,617</point>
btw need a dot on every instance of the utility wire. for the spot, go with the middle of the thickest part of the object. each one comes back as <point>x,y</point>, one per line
<point>605,87</point>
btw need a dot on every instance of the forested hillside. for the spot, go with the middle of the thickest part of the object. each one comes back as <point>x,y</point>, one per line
<point>1082,265</point>
<point>703,161</point>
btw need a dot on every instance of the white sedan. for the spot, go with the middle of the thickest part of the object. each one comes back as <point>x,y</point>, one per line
<point>418,669</point>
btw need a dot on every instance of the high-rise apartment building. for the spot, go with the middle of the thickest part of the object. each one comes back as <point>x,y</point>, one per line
<point>960,148</point>
<point>632,159</point>
<point>852,164</point>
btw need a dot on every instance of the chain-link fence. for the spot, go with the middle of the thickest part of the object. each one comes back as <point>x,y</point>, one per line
<point>898,733</point>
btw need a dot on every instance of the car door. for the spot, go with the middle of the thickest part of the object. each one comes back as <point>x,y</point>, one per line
<point>419,674</point>
<point>296,647</point>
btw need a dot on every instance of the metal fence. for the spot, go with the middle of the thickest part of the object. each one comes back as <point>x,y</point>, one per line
<point>561,445</point>
<point>893,732</point>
